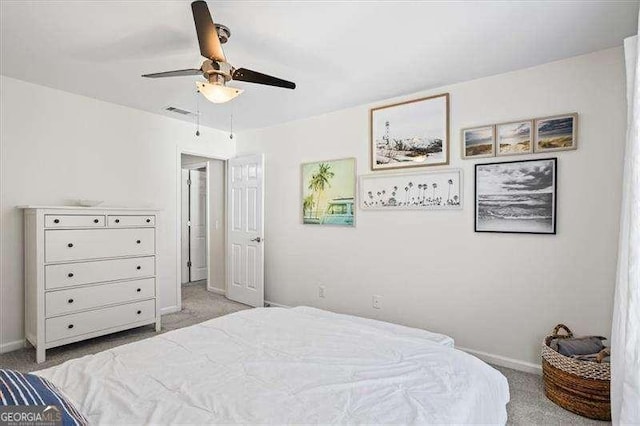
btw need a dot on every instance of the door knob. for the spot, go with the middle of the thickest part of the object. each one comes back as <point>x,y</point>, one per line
<point>256,239</point>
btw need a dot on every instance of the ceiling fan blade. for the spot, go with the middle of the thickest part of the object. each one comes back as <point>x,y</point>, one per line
<point>210,46</point>
<point>177,73</point>
<point>243,74</point>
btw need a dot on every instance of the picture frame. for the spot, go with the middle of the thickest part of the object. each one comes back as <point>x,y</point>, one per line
<point>516,196</point>
<point>514,138</point>
<point>478,142</point>
<point>328,192</point>
<point>427,190</point>
<point>556,133</point>
<point>409,134</point>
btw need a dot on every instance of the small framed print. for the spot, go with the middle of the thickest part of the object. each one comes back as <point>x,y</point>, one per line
<point>514,138</point>
<point>478,142</point>
<point>557,133</point>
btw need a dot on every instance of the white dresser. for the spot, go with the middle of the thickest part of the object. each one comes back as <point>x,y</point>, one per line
<point>88,272</point>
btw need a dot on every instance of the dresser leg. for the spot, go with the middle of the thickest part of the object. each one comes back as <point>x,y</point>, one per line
<point>158,326</point>
<point>40,355</point>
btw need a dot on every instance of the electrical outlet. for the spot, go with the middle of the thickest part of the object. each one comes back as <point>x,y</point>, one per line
<point>376,301</point>
<point>321,291</point>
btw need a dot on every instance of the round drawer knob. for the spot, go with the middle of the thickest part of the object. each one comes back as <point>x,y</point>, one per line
<point>138,267</point>
<point>139,312</point>
<point>70,245</point>
<point>139,290</point>
<point>56,220</point>
<point>70,301</point>
<point>117,220</point>
<point>70,274</point>
<point>95,221</point>
<point>148,220</point>
<point>138,241</point>
<point>70,326</point>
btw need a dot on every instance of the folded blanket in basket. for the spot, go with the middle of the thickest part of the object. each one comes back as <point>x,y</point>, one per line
<point>570,346</point>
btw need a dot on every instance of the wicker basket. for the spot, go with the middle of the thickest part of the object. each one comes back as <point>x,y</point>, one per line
<point>578,386</point>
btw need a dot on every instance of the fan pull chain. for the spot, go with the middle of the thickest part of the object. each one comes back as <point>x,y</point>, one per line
<point>197,112</point>
<point>231,130</point>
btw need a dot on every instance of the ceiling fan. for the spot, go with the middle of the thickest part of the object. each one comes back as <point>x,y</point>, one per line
<point>215,68</point>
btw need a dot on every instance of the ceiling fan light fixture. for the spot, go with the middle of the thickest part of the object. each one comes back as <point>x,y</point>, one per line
<point>217,93</point>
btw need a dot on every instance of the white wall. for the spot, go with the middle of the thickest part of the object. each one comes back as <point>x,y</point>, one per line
<point>57,146</point>
<point>494,293</point>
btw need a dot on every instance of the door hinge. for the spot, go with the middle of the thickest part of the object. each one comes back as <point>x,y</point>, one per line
<point>189,264</point>
<point>189,182</point>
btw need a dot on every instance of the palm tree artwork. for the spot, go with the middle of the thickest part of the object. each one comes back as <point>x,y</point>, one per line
<point>329,192</point>
<point>320,182</point>
<point>426,196</point>
<point>307,205</point>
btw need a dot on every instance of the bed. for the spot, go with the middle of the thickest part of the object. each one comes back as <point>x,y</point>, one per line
<point>284,366</point>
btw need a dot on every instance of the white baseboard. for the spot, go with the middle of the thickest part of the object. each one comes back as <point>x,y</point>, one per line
<point>277,305</point>
<point>503,361</point>
<point>169,310</point>
<point>11,346</point>
<point>217,290</point>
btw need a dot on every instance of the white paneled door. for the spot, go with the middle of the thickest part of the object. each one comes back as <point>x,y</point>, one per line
<point>245,222</point>
<point>198,222</point>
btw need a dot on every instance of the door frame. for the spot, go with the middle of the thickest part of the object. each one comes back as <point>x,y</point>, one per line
<point>187,151</point>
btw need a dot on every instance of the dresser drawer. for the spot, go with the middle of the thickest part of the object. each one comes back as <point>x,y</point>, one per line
<point>100,319</point>
<point>73,221</point>
<point>73,274</point>
<point>131,220</point>
<point>66,245</point>
<point>81,298</point>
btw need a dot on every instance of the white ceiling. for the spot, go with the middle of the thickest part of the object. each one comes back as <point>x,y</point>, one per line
<point>339,54</point>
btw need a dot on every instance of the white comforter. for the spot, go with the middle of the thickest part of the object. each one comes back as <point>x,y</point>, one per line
<point>274,365</point>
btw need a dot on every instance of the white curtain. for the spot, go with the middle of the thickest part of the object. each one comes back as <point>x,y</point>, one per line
<point>625,334</point>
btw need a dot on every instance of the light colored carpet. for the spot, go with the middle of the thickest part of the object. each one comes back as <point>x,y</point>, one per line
<point>198,305</point>
<point>528,404</point>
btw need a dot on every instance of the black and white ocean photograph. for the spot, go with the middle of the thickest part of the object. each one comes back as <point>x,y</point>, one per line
<point>516,196</point>
<point>410,134</point>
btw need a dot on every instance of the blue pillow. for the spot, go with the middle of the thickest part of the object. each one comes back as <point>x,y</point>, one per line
<point>30,390</point>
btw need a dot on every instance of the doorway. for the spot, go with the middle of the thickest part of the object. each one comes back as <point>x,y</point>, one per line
<point>202,260</point>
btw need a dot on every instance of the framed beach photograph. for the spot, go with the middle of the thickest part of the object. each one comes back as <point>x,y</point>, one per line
<point>514,138</point>
<point>328,192</point>
<point>410,134</point>
<point>478,142</point>
<point>516,196</point>
<point>438,190</point>
<point>557,133</point>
